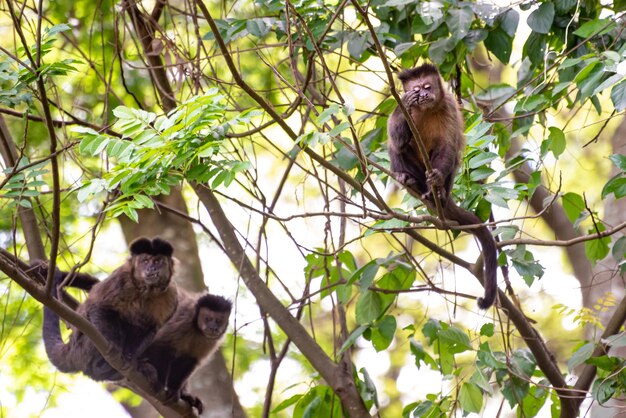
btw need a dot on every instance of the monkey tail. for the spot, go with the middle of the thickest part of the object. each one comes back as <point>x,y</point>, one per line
<point>58,352</point>
<point>489,249</point>
<point>83,281</point>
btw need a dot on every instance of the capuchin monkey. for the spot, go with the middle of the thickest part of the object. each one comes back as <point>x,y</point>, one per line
<point>439,122</point>
<point>128,308</point>
<point>184,343</point>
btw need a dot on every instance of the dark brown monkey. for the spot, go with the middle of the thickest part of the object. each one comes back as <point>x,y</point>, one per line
<point>439,122</point>
<point>187,340</point>
<point>128,308</point>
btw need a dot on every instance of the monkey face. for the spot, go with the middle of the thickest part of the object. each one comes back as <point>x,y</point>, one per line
<point>212,324</point>
<point>421,92</point>
<point>155,271</point>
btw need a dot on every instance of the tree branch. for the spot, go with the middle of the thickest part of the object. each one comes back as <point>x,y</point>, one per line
<point>338,378</point>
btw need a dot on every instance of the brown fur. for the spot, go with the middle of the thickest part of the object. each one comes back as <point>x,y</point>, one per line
<point>185,342</point>
<point>439,122</point>
<point>127,308</point>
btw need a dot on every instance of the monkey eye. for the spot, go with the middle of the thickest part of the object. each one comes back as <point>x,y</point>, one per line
<point>427,86</point>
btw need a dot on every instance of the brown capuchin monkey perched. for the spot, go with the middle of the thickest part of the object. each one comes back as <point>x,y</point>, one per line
<point>128,308</point>
<point>184,343</point>
<point>439,122</point>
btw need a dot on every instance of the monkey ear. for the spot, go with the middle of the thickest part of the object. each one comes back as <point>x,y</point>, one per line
<point>162,247</point>
<point>215,303</point>
<point>141,246</point>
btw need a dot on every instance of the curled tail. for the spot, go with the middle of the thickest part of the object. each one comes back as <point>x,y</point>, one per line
<point>58,352</point>
<point>489,249</point>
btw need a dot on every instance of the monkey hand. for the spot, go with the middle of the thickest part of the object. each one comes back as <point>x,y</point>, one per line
<point>40,267</point>
<point>194,401</point>
<point>150,373</point>
<point>410,98</point>
<point>406,179</point>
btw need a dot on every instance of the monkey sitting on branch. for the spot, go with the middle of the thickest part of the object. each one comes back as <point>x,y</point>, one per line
<point>128,308</point>
<point>439,122</point>
<point>183,344</point>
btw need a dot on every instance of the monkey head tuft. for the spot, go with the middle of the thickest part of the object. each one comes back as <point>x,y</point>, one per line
<point>162,247</point>
<point>215,303</point>
<point>418,72</point>
<point>141,246</point>
<point>157,246</point>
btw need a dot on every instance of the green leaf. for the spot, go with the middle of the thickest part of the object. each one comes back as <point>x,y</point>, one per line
<point>383,332</point>
<point>258,27</point>
<point>367,389</point>
<point>617,340</point>
<point>318,402</point>
<point>93,145</point>
<point>470,398</point>
<point>617,186</point>
<point>480,380</point>
<point>421,356</point>
<point>557,138</point>
<point>287,403</point>
<point>509,21</point>
<point>526,266</point>
<point>612,80</point>
<point>339,128</point>
<point>487,330</point>
<point>574,205</point>
<point>541,19</point>
<point>619,249</point>
<point>619,160</point>
<point>597,249</point>
<point>328,113</point>
<point>535,47</point>
<point>431,330</point>
<point>500,44</point>
<point>459,21</point>
<point>533,402</point>
<point>440,48</point>
<point>604,389</point>
<point>349,342</point>
<point>595,27</point>
<point>481,159</point>
<point>618,96</point>
<point>455,339</point>
<point>523,363</point>
<point>366,274</point>
<point>604,362</point>
<point>580,356</point>
<point>63,27</point>
<point>421,409</point>
<point>369,308</point>
<point>358,44</point>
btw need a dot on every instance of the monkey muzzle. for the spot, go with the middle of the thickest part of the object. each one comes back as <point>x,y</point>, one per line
<point>156,280</point>
<point>424,98</point>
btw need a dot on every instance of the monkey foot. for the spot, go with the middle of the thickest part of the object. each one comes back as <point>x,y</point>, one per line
<point>434,178</point>
<point>194,401</point>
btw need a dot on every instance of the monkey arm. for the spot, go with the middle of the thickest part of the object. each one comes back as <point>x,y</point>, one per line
<point>108,322</point>
<point>403,156</point>
<point>444,161</point>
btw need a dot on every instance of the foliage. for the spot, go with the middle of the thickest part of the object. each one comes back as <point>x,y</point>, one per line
<point>295,140</point>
